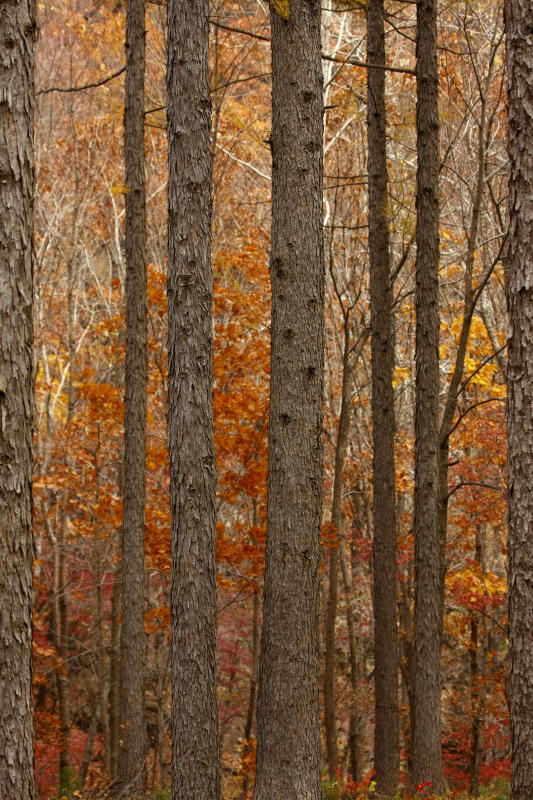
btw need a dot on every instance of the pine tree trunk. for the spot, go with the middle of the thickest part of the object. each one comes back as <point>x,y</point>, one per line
<point>196,768</point>
<point>353,730</point>
<point>387,730</point>
<point>288,742</point>
<point>426,745</point>
<point>343,431</point>
<point>250,713</point>
<point>131,770</point>
<point>17,32</point>
<point>113,709</point>
<point>519,14</point>
<point>330,717</point>
<point>59,631</point>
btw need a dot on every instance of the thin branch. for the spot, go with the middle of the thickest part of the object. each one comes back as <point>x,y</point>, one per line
<point>82,88</point>
<point>458,610</point>
<point>474,483</point>
<point>480,367</point>
<point>463,414</point>
<point>230,28</point>
<point>354,62</point>
<point>244,163</point>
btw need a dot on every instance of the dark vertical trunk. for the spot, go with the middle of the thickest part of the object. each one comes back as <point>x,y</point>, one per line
<point>476,674</point>
<point>407,666</point>
<point>131,773</point>
<point>59,630</point>
<point>330,717</point>
<point>89,745</point>
<point>518,16</point>
<point>17,32</point>
<point>387,731</point>
<point>475,740</point>
<point>353,731</point>
<point>341,445</point>
<point>469,305</point>
<point>288,742</point>
<point>250,713</point>
<point>113,710</point>
<point>196,766</point>
<point>426,746</point>
<point>101,665</point>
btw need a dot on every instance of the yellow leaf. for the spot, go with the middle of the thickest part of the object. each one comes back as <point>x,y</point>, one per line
<point>119,188</point>
<point>283,7</point>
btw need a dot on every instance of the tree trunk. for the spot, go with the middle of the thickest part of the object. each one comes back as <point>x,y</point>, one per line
<point>89,746</point>
<point>469,306</point>
<point>288,741</point>
<point>59,630</point>
<point>196,765</point>
<point>353,731</point>
<point>426,755</point>
<point>387,730</point>
<point>519,14</point>
<point>17,33</point>
<point>330,717</point>
<point>114,679</point>
<point>247,733</point>
<point>100,657</point>
<point>131,769</point>
<point>343,431</point>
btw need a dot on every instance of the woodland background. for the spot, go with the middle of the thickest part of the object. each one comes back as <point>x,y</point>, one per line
<point>79,279</point>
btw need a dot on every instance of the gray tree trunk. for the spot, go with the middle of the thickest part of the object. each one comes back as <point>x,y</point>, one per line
<point>17,33</point>
<point>426,745</point>
<point>288,742</point>
<point>518,16</point>
<point>387,730</point>
<point>131,770</point>
<point>196,766</point>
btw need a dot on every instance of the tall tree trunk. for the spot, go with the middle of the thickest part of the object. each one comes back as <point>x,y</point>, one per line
<point>426,755</point>
<point>330,717</point>
<point>518,16</point>
<point>469,306</point>
<point>131,768</point>
<point>343,431</point>
<point>247,733</point>
<point>477,659</point>
<point>288,742</point>
<point>387,730</point>
<point>101,666</point>
<point>353,730</point>
<point>196,766</point>
<point>89,746</point>
<point>59,630</point>
<point>114,679</point>
<point>17,33</point>
<point>475,741</point>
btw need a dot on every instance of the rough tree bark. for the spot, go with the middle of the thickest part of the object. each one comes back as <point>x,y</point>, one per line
<point>518,16</point>
<point>131,771</point>
<point>17,33</point>
<point>288,743</point>
<point>387,730</point>
<point>196,769</point>
<point>426,746</point>
<point>341,444</point>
